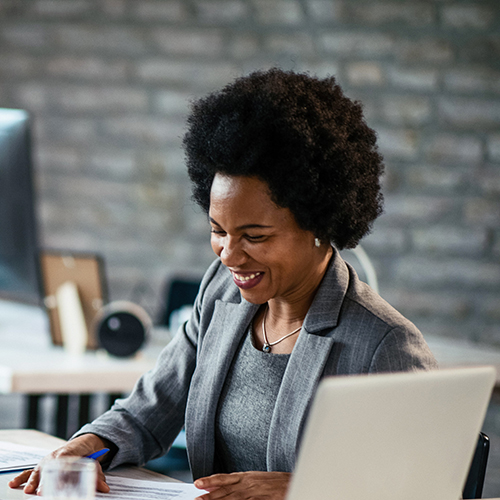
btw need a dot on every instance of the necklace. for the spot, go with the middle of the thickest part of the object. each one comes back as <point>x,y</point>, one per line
<point>267,345</point>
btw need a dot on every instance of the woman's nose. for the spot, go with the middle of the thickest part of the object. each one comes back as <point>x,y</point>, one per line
<point>232,255</point>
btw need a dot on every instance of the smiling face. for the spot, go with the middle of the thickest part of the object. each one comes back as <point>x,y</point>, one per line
<point>268,254</point>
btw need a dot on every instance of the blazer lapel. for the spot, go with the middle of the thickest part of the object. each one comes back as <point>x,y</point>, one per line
<point>305,367</point>
<point>229,324</point>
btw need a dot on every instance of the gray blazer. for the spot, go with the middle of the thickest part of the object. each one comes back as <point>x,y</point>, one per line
<point>349,329</point>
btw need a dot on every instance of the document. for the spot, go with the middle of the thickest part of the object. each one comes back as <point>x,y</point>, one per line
<point>15,457</point>
<point>134,489</point>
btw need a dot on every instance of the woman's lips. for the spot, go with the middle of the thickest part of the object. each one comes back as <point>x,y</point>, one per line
<point>247,280</point>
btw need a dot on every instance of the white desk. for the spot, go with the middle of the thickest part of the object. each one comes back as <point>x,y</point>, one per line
<point>35,438</point>
<point>30,364</point>
<point>41,440</point>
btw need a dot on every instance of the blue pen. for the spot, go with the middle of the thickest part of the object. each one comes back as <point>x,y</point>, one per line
<point>98,454</point>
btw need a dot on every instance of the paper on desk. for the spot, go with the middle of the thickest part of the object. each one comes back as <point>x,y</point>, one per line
<point>133,489</point>
<point>18,457</point>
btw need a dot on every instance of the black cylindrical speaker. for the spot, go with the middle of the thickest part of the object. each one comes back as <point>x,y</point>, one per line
<point>122,328</point>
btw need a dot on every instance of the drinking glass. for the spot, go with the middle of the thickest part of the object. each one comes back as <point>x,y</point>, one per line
<point>69,478</point>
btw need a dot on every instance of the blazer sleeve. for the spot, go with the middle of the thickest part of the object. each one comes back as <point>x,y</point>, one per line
<point>144,425</point>
<point>402,348</point>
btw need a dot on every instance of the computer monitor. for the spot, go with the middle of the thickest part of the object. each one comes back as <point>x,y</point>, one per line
<point>19,268</point>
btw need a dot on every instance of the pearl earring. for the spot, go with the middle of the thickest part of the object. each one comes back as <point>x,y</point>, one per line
<point>317,242</point>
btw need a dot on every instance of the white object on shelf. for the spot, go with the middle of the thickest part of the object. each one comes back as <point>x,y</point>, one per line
<point>73,327</point>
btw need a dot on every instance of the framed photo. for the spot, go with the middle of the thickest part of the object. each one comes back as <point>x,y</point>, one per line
<point>86,271</point>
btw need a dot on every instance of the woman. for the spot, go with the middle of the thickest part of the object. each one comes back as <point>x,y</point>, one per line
<point>288,173</point>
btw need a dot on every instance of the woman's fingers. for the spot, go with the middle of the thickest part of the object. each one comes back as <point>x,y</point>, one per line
<point>79,447</point>
<point>33,481</point>
<point>101,486</point>
<point>248,485</point>
<point>20,479</point>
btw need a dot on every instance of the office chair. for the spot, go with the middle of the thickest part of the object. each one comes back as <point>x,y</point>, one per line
<point>178,292</point>
<point>475,480</point>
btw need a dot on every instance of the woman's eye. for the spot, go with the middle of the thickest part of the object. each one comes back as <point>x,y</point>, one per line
<point>215,231</point>
<point>255,238</point>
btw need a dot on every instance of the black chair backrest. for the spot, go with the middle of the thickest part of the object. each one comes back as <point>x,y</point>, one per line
<point>179,292</point>
<point>475,480</point>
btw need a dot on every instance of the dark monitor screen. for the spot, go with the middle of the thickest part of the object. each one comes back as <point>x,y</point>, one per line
<point>19,271</point>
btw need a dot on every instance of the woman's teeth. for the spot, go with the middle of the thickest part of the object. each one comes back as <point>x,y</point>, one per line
<point>246,278</point>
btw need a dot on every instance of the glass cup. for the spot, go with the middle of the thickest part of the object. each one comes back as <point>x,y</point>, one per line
<point>69,478</point>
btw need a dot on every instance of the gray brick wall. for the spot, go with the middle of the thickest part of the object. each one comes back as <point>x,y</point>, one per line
<point>109,81</point>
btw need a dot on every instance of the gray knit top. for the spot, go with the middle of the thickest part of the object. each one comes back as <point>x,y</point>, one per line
<point>245,408</point>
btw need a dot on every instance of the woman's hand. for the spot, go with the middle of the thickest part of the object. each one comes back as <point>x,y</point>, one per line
<point>245,485</point>
<point>78,447</point>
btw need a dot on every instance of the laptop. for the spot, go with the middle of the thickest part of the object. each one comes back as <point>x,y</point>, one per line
<point>400,436</point>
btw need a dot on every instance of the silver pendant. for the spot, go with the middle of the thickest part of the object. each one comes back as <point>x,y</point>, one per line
<point>266,348</point>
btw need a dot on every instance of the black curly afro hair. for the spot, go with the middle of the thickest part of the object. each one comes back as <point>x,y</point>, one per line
<point>303,137</point>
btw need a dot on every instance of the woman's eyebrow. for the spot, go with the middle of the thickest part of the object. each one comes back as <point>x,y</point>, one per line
<point>245,226</point>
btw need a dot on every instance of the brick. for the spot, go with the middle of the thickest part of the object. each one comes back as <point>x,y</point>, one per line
<point>489,335</point>
<point>441,273</point>
<point>222,11</point>
<point>419,303</point>
<point>472,79</point>
<point>89,68</point>
<point>385,240</point>
<point>322,69</point>
<point>405,209</point>
<point>31,96</point>
<point>428,50</point>
<point>15,66</point>
<point>450,240</point>
<point>61,8</point>
<point>443,327</point>
<point>467,16</point>
<point>300,44</point>
<point>479,49</point>
<point>413,79</point>
<point>438,178</point>
<point>345,43</point>
<point>105,39</point>
<point>101,99</point>
<point>400,110</point>
<point>470,113</point>
<point>25,35</point>
<point>365,73</point>
<point>483,212</point>
<point>12,8</point>
<point>144,130</point>
<point>450,148</point>
<point>172,102</point>
<point>243,45</point>
<point>402,144</point>
<point>114,9</point>
<point>494,147</point>
<point>189,74</point>
<point>57,158</point>
<point>496,244</point>
<point>286,12</point>
<point>489,307</point>
<point>324,11</point>
<point>67,131</point>
<point>159,10</point>
<point>112,164</point>
<point>399,13</point>
<point>489,181</point>
<point>188,42</point>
